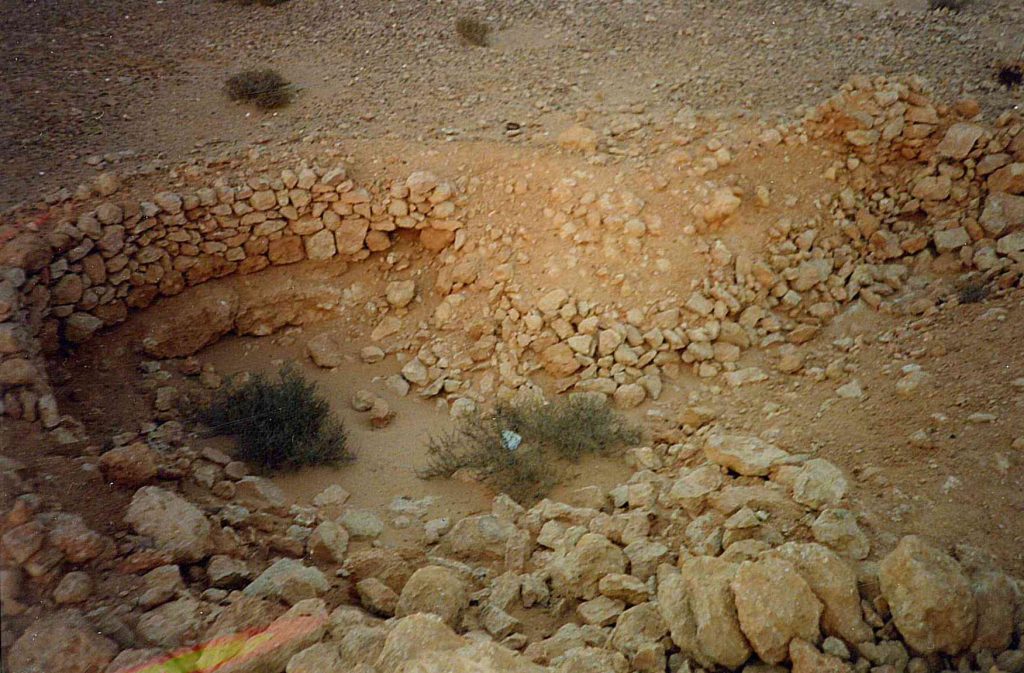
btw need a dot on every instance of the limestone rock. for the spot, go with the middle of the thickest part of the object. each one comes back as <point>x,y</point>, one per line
<point>1003,214</point>
<point>171,624</point>
<point>819,484</point>
<point>130,466</point>
<point>183,325</point>
<point>61,643</point>
<point>745,455</point>
<point>176,525</point>
<point>721,205</point>
<point>700,611</point>
<point>362,524</point>
<point>436,590</point>
<point>807,659</point>
<point>959,140</point>
<point>329,542</point>
<point>774,605</point>
<point>325,350</point>
<point>578,138</point>
<point>578,572</point>
<point>377,597</point>
<point>319,658</point>
<point>837,529</point>
<point>931,600</point>
<point>478,539</point>
<point>414,636</point>
<point>288,580</point>
<point>1009,179</point>
<point>559,360</point>
<point>834,583</point>
<point>400,293</point>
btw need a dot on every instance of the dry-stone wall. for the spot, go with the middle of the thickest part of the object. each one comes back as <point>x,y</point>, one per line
<point>96,266</point>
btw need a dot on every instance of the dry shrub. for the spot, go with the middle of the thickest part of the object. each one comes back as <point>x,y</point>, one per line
<point>1010,75</point>
<point>264,87</point>
<point>283,424</point>
<point>951,5</point>
<point>552,435</point>
<point>472,31</point>
<point>973,292</point>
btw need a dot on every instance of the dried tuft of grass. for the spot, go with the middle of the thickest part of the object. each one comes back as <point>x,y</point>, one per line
<point>472,31</point>
<point>264,87</point>
<point>552,435</point>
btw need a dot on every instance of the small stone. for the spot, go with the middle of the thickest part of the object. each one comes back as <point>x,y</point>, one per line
<point>401,293</point>
<point>75,587</point>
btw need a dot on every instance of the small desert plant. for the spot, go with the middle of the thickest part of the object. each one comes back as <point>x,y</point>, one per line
<point>264,87</point>
<point>972,292</point>
<point>1010,75</point>
<point>951,5</point>
<point>550,434</point>
<point>279,424</point>
<point>472,31</point>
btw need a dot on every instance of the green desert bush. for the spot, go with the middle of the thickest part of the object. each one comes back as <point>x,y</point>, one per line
<point>264,87</point>
<point>279,424</point>
<point>472,31</point>
<point>552,435</point>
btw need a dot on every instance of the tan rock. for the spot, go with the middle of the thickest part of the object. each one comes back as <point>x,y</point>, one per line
<point>931,600</point>
<point>743,454</point>
<point>807,659</point>
<point>559,360</point>
<point>774,605</point>
<point>578,138</point>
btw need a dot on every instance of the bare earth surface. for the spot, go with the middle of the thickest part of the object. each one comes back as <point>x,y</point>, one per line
<point>141,84</point>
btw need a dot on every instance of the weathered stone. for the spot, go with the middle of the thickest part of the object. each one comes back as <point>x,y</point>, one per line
<point>414,636</point>
<point>436,590</point>
<point>329,542</point>
<point>819,484</point>
<point>745,455</point>
<point>377,597</point>
<point>838,529</point>
<point>834,583</point>
<point>721,205</point>
<point>171,624</point>
<point>61,643</point>
<point>326,350</point>
<point>1003,214</point>
<point>996,600</point>
<point>559,360</point>
<point>183,325</point>
<point>478,539</point>
<point>176,525</point>
<point>774,605</point>
<point>579,138</point>
<point>225,572</point>
<point>259,493</point>
<point>131,466</point>
<point>931,600</point>
<point>578,572</point>
<point>400,293</point>
<point>959,140</point>
<point>288,580</point>
<point>1009,179</point>
<point>698,606</point>
<point>362,524</point>
<point>807,659</point>
<point>319,658</point>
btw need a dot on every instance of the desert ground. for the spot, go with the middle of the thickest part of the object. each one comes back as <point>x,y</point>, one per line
<point>782,243</point>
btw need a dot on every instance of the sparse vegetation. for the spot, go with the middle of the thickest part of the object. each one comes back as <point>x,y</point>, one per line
<point>560,432</point>
<point>283,424</point>
<point>1010,75</point>
<point>973,292</point>
<point>264,87</point>
<point>951,5</point>
<point>473,31</point>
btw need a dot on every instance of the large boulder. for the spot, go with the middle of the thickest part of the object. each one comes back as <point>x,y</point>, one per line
<point>834,583</point>
<point>931,600</point>
<point>698,606</point>
<point>775,605</point>
<point>288,580</point>
<point>578,573</point>
<point>414,636</point>
<point>183,325</point>
<point>996,600</point>
<point>269,650</point>
<point>478,539</point>
<point>743,454</point>
<point>436,590</point>
<point>176,525</point>
<point>61,643</point>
